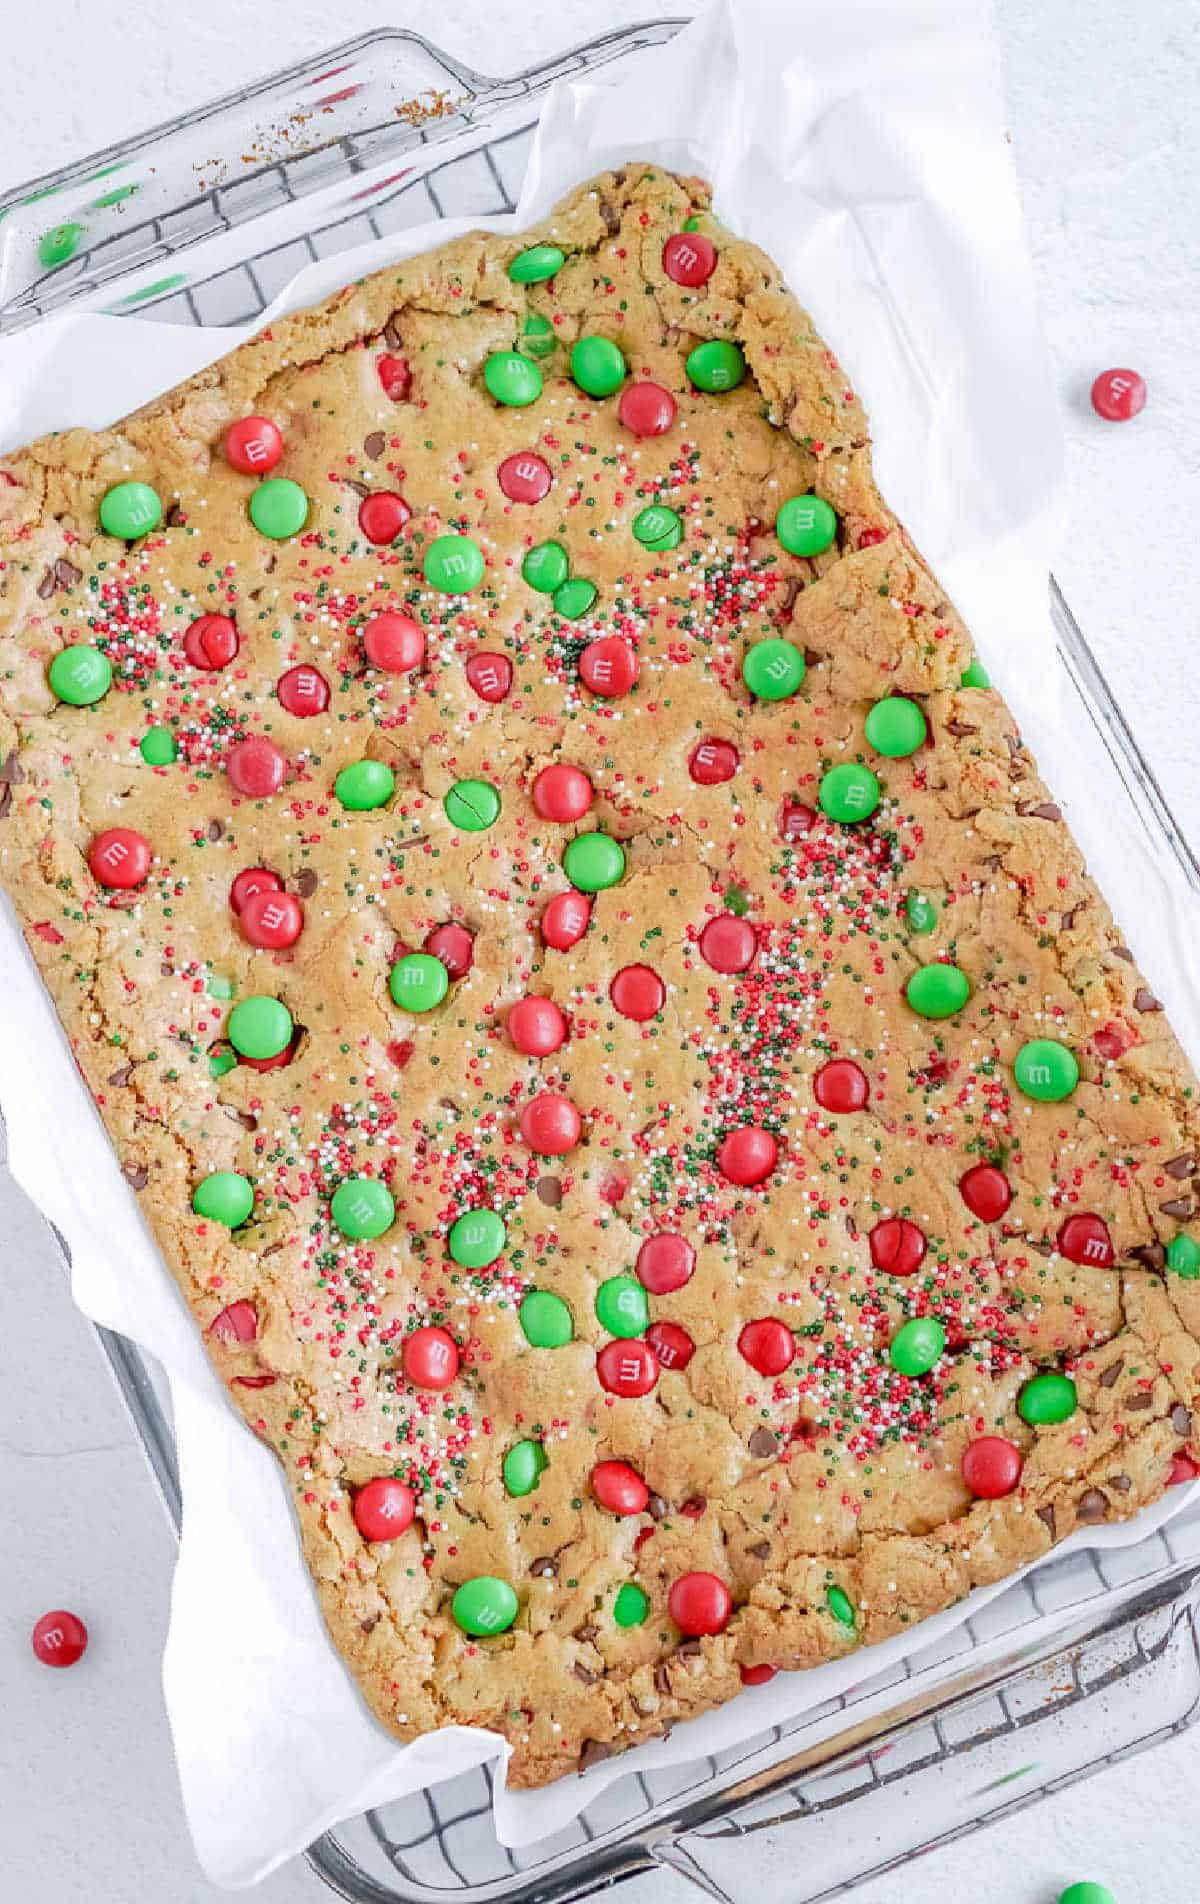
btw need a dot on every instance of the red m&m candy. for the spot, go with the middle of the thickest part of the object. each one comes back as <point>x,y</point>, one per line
<point>395,377</point>
<point>646,409</point>
<point>251,880</point>
<point>1118,395</point>
<point>119,857</point>
<point>236,1324</point>
<point>627,1368</point>
<point>728,943</point>
<point>384,1508</point>
<point>796,820</point>
<point>382,515</point>
<point>897,1246</point>
<point>394,642</point>
<point>454,946</point>
<point>665,1262</point>
<point>256,767</point>
<point>619,1488</point>
<point>253,445</point>
<point>565,920</point>
<point>768,1345</point>
<point>430,1357</point>
<point>747,1156</point>
<point>637,992</point>
<point>699,1604</point>
<point>524,477</point>
<point>841,1085</point>
<point>271,920</point>
<point>608,667</point>
<point>1085,1239</point>
<point>757,1675</point>
<point>671,1343</point>
<point>689,258</point>
<point>536,1026</point>
<point>562,793</point>
<point>1182,1470</point>
<point>211,642</point>
<point>991,1467</point>
<point>59,1638</point>
<point>490,676</point>
<point>550,1124</point>
<point>986,1192</point>
<point>303,691</point>
<point>712,762</point>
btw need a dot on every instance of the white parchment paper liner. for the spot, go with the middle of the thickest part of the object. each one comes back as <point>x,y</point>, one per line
<point>862,145</point>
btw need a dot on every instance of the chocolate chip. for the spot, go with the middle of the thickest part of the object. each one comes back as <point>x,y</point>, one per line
<point>763,1444</point>
<point>65,573</point>
<point>1181,1419</point>
<point>960,729</point>
<point>1181,1166</point>
<point>306,882</point>
<point>174,518</point>
<point>549,1190</point>
<point>1120,1483</point>
<point>375,444</point>
<point>361,490</point>
<point>246,1119</point>
<point>1068,919</point>
<point>1138,1404</point>
<point>214,830</point>
<point>591,1753</point>
<point>1111,1375</point>
<point>1092,1506</point>
<point>1046,810</point>
<point>11,771</point>
<point>369,1624</point>
<point>584,1674</point>
<point>662,1679</point>
<point>657,1508</point>
<point>761,1550</point>
<point>391,335</point>
<point>993,861</point>
<point>1151,1256</point>
<point>689,1649</point>
<point>1014,743</point>
<point>1145,1001</point>
<point>1178,1206</point>
<point>588,1633</point>
<point>121,1078</point>
<point>611,217</point>
<point>545,1567</point>
<point>136,1175</point>
<point>1046,1514</point>
<point>46,586</point>
<point>1122,952</point>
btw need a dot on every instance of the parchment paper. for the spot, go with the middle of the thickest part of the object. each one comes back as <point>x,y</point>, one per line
<point>862,145</point>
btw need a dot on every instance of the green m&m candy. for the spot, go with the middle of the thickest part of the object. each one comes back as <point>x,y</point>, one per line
<point>157,747</point>
<point>224,1197</point>
<point>593,862</point>
<point>1087,1893</point>
<point>546,1320</point>
<point>631,1605</point>
<point>1183,1257</point>
<point>1044,1069</point>
<point>418,982</point>
<point>896,727</point>
<point>453,564</point>
<point>574,598</point>
<point>1047,1399</point>
<point>472,805</point>
<point>920,912</point>
<point>485,1605</point>
<point>278,508</point>
<point>848,793</point>
<point>916,1345</point>
<point>477,1238</point>
<point>840,1605</point>
<point>221,1061</point>
<point>806,525</point>
<point>773,669</point>
<point>938,991</point>
<point>512,379</point>
<point>58,244</point>
<point>129,510</point>
<point>536,264</point>
<point>523,1467</point>
<point>621,1306</point>
<point>260,1027</point>
<point>546,567</point>
<point>975,675</point>
<point>80,676</point>
<point>716,365</point>
<point>365,784</point>
<point>537,337</point>
<point>597,366</point>
<point>657,527</point>
<point>362,1207</point>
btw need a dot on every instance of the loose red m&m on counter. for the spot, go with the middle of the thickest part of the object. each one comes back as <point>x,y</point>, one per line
<point>59,1638</point>
<point>253,445</point>
<point>700,1604</point>
<point>384,1508</point>
<point>119,858</point>
<point>1118,395</point>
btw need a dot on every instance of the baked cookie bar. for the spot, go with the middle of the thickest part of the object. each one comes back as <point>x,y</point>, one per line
<point>609,1029</point>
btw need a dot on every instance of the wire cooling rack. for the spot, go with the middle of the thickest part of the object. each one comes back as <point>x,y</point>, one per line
<point>203,222</point>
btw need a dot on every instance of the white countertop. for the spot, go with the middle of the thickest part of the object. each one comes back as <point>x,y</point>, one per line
<point>1102,109</point>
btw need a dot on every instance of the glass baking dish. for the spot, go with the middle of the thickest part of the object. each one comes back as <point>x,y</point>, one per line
<point>202,221</point>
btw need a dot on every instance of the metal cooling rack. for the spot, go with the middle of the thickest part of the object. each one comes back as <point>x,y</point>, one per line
<point>227,203</point>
